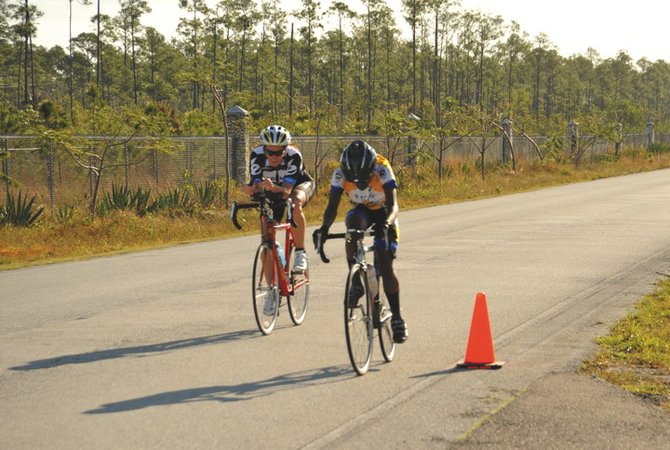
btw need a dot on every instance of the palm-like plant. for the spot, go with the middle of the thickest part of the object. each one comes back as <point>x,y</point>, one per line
<point>19,211</point>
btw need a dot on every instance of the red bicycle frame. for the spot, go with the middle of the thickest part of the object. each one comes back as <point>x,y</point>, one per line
<point>270,237</point>
<point>287,282</point>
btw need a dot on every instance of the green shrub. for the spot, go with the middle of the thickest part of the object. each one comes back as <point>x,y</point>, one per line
<point>140,201</point>
<point>19,211</point>
<point>65,214</point>
<point>207,194</point>
<point>659,147</point>
<point>119,198</point>
<point>175,199</point>
<point>122,198</point>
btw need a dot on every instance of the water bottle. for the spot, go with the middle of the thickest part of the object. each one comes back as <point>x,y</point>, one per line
<point>372,281</point>
<point>281,255</point>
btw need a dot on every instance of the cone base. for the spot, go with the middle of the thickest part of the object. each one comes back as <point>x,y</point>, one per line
<point>471,365</point>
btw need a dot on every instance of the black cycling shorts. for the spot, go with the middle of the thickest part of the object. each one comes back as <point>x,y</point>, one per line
<point>375,218</point>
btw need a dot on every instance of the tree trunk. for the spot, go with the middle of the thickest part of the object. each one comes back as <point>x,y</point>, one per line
<point>25,57</point>
<point>134,62</point>
<point>341,75</point>
<point>369,73</point>
<point>98,63</point>
<point>290,88</point>
<point>71,74</point>
<point>436,76</point>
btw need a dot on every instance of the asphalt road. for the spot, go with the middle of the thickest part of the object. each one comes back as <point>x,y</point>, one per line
<point>159,349</point>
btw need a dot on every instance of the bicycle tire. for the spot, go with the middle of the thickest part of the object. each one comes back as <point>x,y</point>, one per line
<point>358,324</point>
<point>264,283</point>
<point>384,329</point>
<point>299,297</point>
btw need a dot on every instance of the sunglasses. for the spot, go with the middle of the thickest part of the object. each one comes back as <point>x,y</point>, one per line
<point>274,152</point>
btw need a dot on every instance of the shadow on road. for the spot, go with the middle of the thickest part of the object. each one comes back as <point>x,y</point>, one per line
<point>440,372</point>
<point>84,358</point>
<point>231,393</point>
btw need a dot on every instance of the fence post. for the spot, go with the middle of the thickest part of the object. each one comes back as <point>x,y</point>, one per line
<point>650,134</point>
<point>573,135</point>
<point>213,149</point>
<point>238,130</point>
<point>5,165</point>
<point>91,175</point>
<point>411,156</point>
<point>50,177</point>
<point>507,140</point>
<point>154,166</point>
<point>126,166</point>
<point>189,162</point>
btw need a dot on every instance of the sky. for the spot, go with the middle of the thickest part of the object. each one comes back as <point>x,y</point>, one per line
<point>573,26</point>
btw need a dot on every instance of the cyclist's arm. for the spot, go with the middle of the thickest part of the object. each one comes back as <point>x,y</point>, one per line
<point>330,213</point>
<point>268,185</point>
<point>392,208</point>
<point>248,188</point>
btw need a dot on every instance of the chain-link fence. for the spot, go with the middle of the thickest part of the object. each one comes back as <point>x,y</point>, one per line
<point>57,180</point>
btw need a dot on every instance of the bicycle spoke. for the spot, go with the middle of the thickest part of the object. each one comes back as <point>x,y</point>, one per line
<point>385,331</point>
<point>358,321</point>
<point>297,301</point>
<point>265,292</point>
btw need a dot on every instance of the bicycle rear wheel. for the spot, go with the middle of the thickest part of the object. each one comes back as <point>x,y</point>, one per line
<point>297,300</point>
<point>265,292</point>
<point>358,323</point>
<point>385,331</point>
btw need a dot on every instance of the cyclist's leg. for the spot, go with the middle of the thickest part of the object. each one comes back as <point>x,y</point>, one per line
<point>300,195</point>
<point>267,234</point>
<point>357,218</point>
<point>386,252</point>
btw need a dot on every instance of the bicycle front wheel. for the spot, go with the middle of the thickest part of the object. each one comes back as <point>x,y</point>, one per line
<point>265,292</point>
<point>358,324</point>
<point>385,331</point>
<point>297,300</point>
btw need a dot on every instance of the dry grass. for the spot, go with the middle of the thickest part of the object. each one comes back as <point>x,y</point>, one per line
<point>80,237</point>
<point>636,353</point>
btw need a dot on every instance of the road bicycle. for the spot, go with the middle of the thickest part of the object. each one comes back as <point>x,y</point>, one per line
<point>272,277</point>
<point>366,309</point>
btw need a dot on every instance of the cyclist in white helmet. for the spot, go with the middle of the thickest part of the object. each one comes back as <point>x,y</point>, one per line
<point>276,166</point>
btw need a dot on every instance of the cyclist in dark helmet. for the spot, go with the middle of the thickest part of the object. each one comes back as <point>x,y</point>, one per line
<point>368,180</point>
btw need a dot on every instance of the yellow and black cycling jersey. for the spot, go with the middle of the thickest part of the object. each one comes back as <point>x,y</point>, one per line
<point>373,197</point>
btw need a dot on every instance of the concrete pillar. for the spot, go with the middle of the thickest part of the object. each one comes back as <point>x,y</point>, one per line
<point>619,138</point>
<point>573,135</point>
<point>411,156</point>
<point>507,140</point>
<point>650,134</point>
<point>238,130</point>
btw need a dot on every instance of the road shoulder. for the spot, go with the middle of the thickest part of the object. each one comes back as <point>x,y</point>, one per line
<point>562,410</point>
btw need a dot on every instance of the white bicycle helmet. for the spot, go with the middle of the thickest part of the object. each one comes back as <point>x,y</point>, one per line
<point>275,135</point>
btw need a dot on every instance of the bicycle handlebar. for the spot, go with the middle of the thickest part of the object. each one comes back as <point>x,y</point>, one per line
<point>237,206</point>
<point>260,201</point>
<point>350,234</point>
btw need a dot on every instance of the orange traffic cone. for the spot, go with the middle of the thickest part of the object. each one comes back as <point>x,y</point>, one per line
<point>479,353</point>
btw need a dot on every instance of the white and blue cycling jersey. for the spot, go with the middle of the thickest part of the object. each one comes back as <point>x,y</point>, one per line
<point>291,170</point>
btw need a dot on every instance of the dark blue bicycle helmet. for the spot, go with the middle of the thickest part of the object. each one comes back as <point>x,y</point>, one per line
<point>358,161</point>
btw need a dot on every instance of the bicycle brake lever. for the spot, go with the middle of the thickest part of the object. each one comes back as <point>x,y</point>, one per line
<point>320,250</point>
<point>233,216</point>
